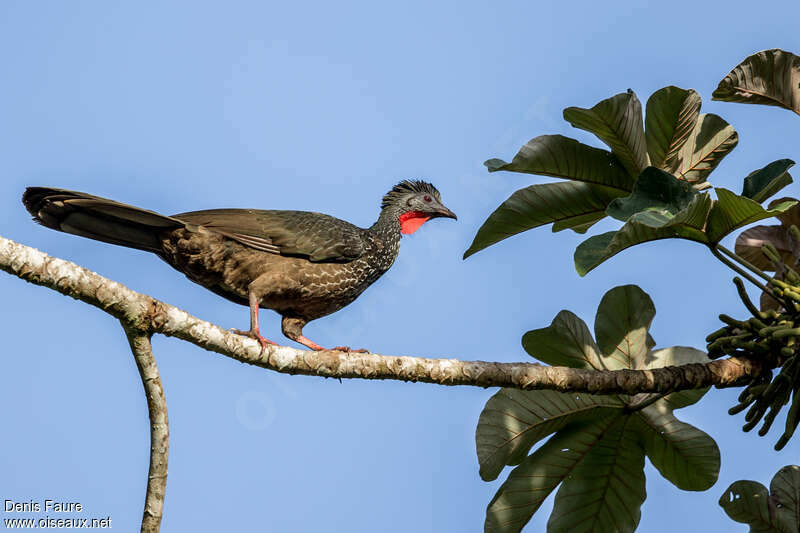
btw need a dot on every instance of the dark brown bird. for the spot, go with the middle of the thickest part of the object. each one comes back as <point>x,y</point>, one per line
<point>300,264</point>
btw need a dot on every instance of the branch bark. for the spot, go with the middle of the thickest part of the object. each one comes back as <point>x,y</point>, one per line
<point>159,428</point>
<point>146,314</point>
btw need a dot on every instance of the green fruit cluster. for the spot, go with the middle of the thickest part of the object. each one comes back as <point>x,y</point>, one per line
<point>771,338</point>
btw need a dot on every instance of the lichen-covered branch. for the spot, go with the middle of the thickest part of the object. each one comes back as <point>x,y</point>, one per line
<point>159,428</point>
<point>147,314</point>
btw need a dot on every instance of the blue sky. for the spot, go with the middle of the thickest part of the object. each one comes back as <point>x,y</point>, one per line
<point>179,106</point>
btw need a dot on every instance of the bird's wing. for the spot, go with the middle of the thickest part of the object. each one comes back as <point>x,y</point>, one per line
<point>319,237</point>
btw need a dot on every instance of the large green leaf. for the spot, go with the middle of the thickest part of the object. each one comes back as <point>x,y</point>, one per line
<point>732,211</point>
<point>785,489</point>
<point>617,121</point>
<point>565,203</point>
<point>529,484</point>
<point>562,157</point>
<point>624,342</point>
<point>656,198</point>
<point>513,421</point>
<point>687,224</point>
<point>598,449</point>
<point>683,454</point>
<point>670,117</point>
<point>749,502</point>
<point>760,184</point>
<point>605,491</point>
<point>565,342</point>
<point>711,139</point>
<point>769,77</point>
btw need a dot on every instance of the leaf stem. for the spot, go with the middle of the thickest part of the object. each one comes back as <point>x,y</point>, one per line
<point>649,399</point>
<point>738,269</point>
<point>739,259</point>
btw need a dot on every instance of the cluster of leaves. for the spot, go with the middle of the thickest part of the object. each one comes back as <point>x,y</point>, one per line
<point>651,179</point>
<point>598,444</point>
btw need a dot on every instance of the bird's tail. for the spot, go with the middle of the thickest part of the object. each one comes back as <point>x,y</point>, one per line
<point>97,218</point>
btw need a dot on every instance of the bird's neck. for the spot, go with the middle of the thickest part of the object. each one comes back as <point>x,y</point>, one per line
<point>388,223</point>
<point>387,227</point>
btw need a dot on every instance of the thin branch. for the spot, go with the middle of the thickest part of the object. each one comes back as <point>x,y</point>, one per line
<point>159,428</point>
<point>147,314</point>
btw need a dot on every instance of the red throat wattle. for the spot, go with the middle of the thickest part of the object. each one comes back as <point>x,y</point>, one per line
<point>411,221</point>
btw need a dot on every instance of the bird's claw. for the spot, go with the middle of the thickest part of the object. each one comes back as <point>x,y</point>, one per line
<point>255,335</point>
<point>349,350</point>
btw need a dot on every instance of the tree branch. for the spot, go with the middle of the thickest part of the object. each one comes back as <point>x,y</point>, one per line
<point>149,315</point>
<point>159,428</point>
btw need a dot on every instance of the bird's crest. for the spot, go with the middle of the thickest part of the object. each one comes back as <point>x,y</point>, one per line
<point>409,186</point>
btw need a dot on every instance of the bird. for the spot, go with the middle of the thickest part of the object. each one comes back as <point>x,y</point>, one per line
<point>303,265</point>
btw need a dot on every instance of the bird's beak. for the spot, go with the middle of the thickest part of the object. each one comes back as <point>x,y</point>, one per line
<point>442,211</point>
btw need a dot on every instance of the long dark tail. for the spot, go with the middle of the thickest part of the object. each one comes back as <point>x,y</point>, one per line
<point>97,218</point>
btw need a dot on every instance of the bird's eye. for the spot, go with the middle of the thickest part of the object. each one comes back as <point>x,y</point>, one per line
<point>427,199</point>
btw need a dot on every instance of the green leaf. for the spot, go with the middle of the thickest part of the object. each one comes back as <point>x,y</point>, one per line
<point>711,140</point>
<point>732,211</point>
<point>683,454</point>
<point>670,117</point>
<point>539,474</point>
<point>567,203</point>
<point>769,77</point>
<point>598,449</point>
<point>562,157</point>
<point>579,223</point>
<point>748,502</point>
<point>512,421</point>
<point>617,121</point>
<point>785,489</point>
<point>765,182</point>
<point>657,195</point>
<point>605,491</point>
<point>620,326</point>
<point>790,216</point>
<point>779,512</point>
<point>687,224</point>
<point>565,342</point>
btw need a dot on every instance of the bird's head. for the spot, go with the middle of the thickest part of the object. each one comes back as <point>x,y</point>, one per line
<point>415,202</point>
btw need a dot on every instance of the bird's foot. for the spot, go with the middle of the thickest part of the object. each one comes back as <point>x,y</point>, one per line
<point>256,336</point>
<point>317,348</point>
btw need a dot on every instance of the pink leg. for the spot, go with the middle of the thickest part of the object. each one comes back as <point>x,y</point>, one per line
<point>305,341</point>
<point>302,339</point>
<point>293,328</point>
<point>254,333</point>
